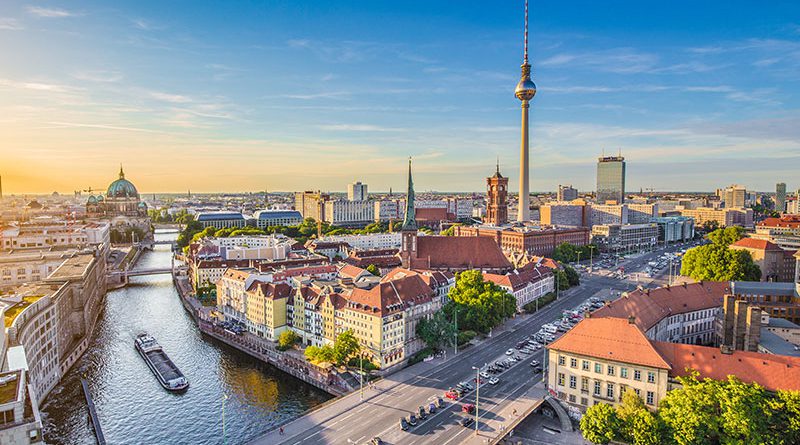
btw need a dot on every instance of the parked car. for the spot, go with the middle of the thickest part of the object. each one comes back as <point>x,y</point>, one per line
<point>403,424</point>
<point>431,408</point>
<point>412,420</point>
<point>376,441</point>
<point>466,422</point>
<point>494,381</point>
<point>439,402</point>
<point>509,352</point>
<point>452,395</point>
<point>422,414</point>
<point>468,408</point>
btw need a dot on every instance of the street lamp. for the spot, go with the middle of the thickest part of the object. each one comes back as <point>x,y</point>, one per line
<point>477,393</point>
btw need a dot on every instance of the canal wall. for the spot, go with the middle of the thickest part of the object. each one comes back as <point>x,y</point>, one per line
<point>264,350</point>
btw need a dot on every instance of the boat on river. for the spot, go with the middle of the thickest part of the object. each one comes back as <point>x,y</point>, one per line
<point>170,377</point>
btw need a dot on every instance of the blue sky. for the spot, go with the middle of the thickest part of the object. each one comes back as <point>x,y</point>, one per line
<point>237,96</point>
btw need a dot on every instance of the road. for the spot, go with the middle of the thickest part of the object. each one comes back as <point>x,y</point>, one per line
<point>380,413</point>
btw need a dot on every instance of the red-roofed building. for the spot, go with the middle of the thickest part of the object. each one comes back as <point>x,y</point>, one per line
<point>783,231</point>
<point>682,314</point>
<point>776,264</point>
<point>527,284</point>
<point>601,358</point>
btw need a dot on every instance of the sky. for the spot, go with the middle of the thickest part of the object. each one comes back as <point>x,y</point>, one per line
<point>242,95</point>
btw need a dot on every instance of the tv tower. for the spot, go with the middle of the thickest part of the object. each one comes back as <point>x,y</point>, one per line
<point>525,91</point>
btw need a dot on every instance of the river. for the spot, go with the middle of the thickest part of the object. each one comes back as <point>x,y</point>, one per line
<point>134,409</point>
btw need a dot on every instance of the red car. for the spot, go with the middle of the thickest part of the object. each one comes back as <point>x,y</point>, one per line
<point>477,380</point>
<point>468,408</point>
<point>451,395</point>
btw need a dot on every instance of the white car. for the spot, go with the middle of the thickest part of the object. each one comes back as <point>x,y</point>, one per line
<point>509,352</point>
<point>494,381</point>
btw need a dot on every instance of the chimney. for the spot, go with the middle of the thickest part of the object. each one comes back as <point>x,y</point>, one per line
<point>631,320</point>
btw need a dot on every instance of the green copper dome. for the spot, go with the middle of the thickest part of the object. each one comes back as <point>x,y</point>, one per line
<point>122,188</point>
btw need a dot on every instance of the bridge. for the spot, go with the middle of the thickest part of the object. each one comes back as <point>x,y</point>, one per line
<point>141,272</point>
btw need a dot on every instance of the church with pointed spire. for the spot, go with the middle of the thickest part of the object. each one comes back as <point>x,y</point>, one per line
<point>121,199</point>
<point>446,253</point>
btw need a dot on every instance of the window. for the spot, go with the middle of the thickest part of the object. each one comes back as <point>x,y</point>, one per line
<point>637,375</point>
<point>623,372</point>
<point>584,384</point>
<point>561,360</point>
<point>610,370</point>
<point>560,379</point>
<point>610,391</point>
<point>572,398</point>
<point>651,377</point>
<point>598,368</point>
<point>650,397</point>
<point>584,401</point>
<point>573,382</point>
<point>573,363</point>
<point>596,388</point>
<point>638,393</point>
<point>585,365</point>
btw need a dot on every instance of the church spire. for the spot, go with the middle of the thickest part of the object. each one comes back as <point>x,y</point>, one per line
<point>410,221</point>
<point>121,173</point>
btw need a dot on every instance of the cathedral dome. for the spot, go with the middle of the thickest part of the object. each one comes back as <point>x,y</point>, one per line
<point>122,188</point>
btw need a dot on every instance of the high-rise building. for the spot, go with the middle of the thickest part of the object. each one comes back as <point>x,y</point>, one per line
<point>610,179</point>
<point>525,91</point>
<point>496,194</point>
<point>311,204</point>
<point>566,193</point>
<point>734,196</point>
<point>780,197</point>
<point>357,191</point>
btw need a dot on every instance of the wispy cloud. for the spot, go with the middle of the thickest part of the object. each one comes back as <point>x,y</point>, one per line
<point>10,24</point>
<point>171,98</point>
<point>325,95</point>
<point>98,76</point>
<point>357,127</point>
<point>101,127</point>
<point>50,12</point>
<point>37,86</point>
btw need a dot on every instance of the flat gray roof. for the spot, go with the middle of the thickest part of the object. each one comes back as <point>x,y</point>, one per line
<point>762,288</point>
<point>775,344</point>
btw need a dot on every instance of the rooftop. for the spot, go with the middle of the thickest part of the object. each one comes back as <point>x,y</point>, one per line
<point>775,344</point>
<point>762,288</point>
<point>73,268</point>
<point>610,339</point>
<point>14,309</point>
<point>9,386</point>
<point>752,243</point>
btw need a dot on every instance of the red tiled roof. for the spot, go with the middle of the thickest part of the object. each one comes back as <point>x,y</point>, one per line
<point>649,306</point>
<point>790,221</point>
<point>271,290</point>
<point>459,252</point>
<point>610,339</point>
<point>752,243</point>
<point>773,372</point>
<point>350,271</point>
<point>390,296</point>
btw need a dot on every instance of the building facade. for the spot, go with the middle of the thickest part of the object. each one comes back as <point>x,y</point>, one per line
<point>496,199</point>
<point>566,193</point>
<point>673,229</point>
<point>357,191</point>
<point>726,217</point>
<point>610,179</point>
<point>221,220</point>
<point>625,238</point>
<point>780,197</point>
<point>539,242</point>
<point>783,231</point>
<point>734,196</point>
<point>311,204</point>
<point>565,214</point>
<point>642,213</point>
<point>609,214</point>
<point>268,218</point>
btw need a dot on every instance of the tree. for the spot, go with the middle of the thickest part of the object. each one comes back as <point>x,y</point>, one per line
<point>320,354</point>
<point>188,232</point>
<point>436,331</point>
<point>287,339</point>
<point>717,262</point>
<point>481,304</point>
<point>374,270</point>
<point>572,276</point>
<point>345,346</point>
<point>562,281</point>
<point>600,423</point>
<point>637,424</point>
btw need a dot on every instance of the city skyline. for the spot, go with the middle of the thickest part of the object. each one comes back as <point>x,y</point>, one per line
<point>180,96</point>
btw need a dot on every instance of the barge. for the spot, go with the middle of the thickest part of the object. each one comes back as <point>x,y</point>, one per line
<point>170,377</point>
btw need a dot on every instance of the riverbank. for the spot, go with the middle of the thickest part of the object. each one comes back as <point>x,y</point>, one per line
<point>290,362</point>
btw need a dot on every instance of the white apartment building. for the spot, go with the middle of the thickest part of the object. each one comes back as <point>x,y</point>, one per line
<point>372,241</point>
<point>266,247</point>
<point>389,210</point>
<point>357,191</point>
<point>349,213</point>
<point>609,214</point>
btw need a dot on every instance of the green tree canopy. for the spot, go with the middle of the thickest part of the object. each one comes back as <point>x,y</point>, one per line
<point>287,339</point>
<point>717,262</point>
<point>345,346</point>
<point>600,424</point>
<point>436,331</point>
<point>374,270</point>
<point>481,304</point>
